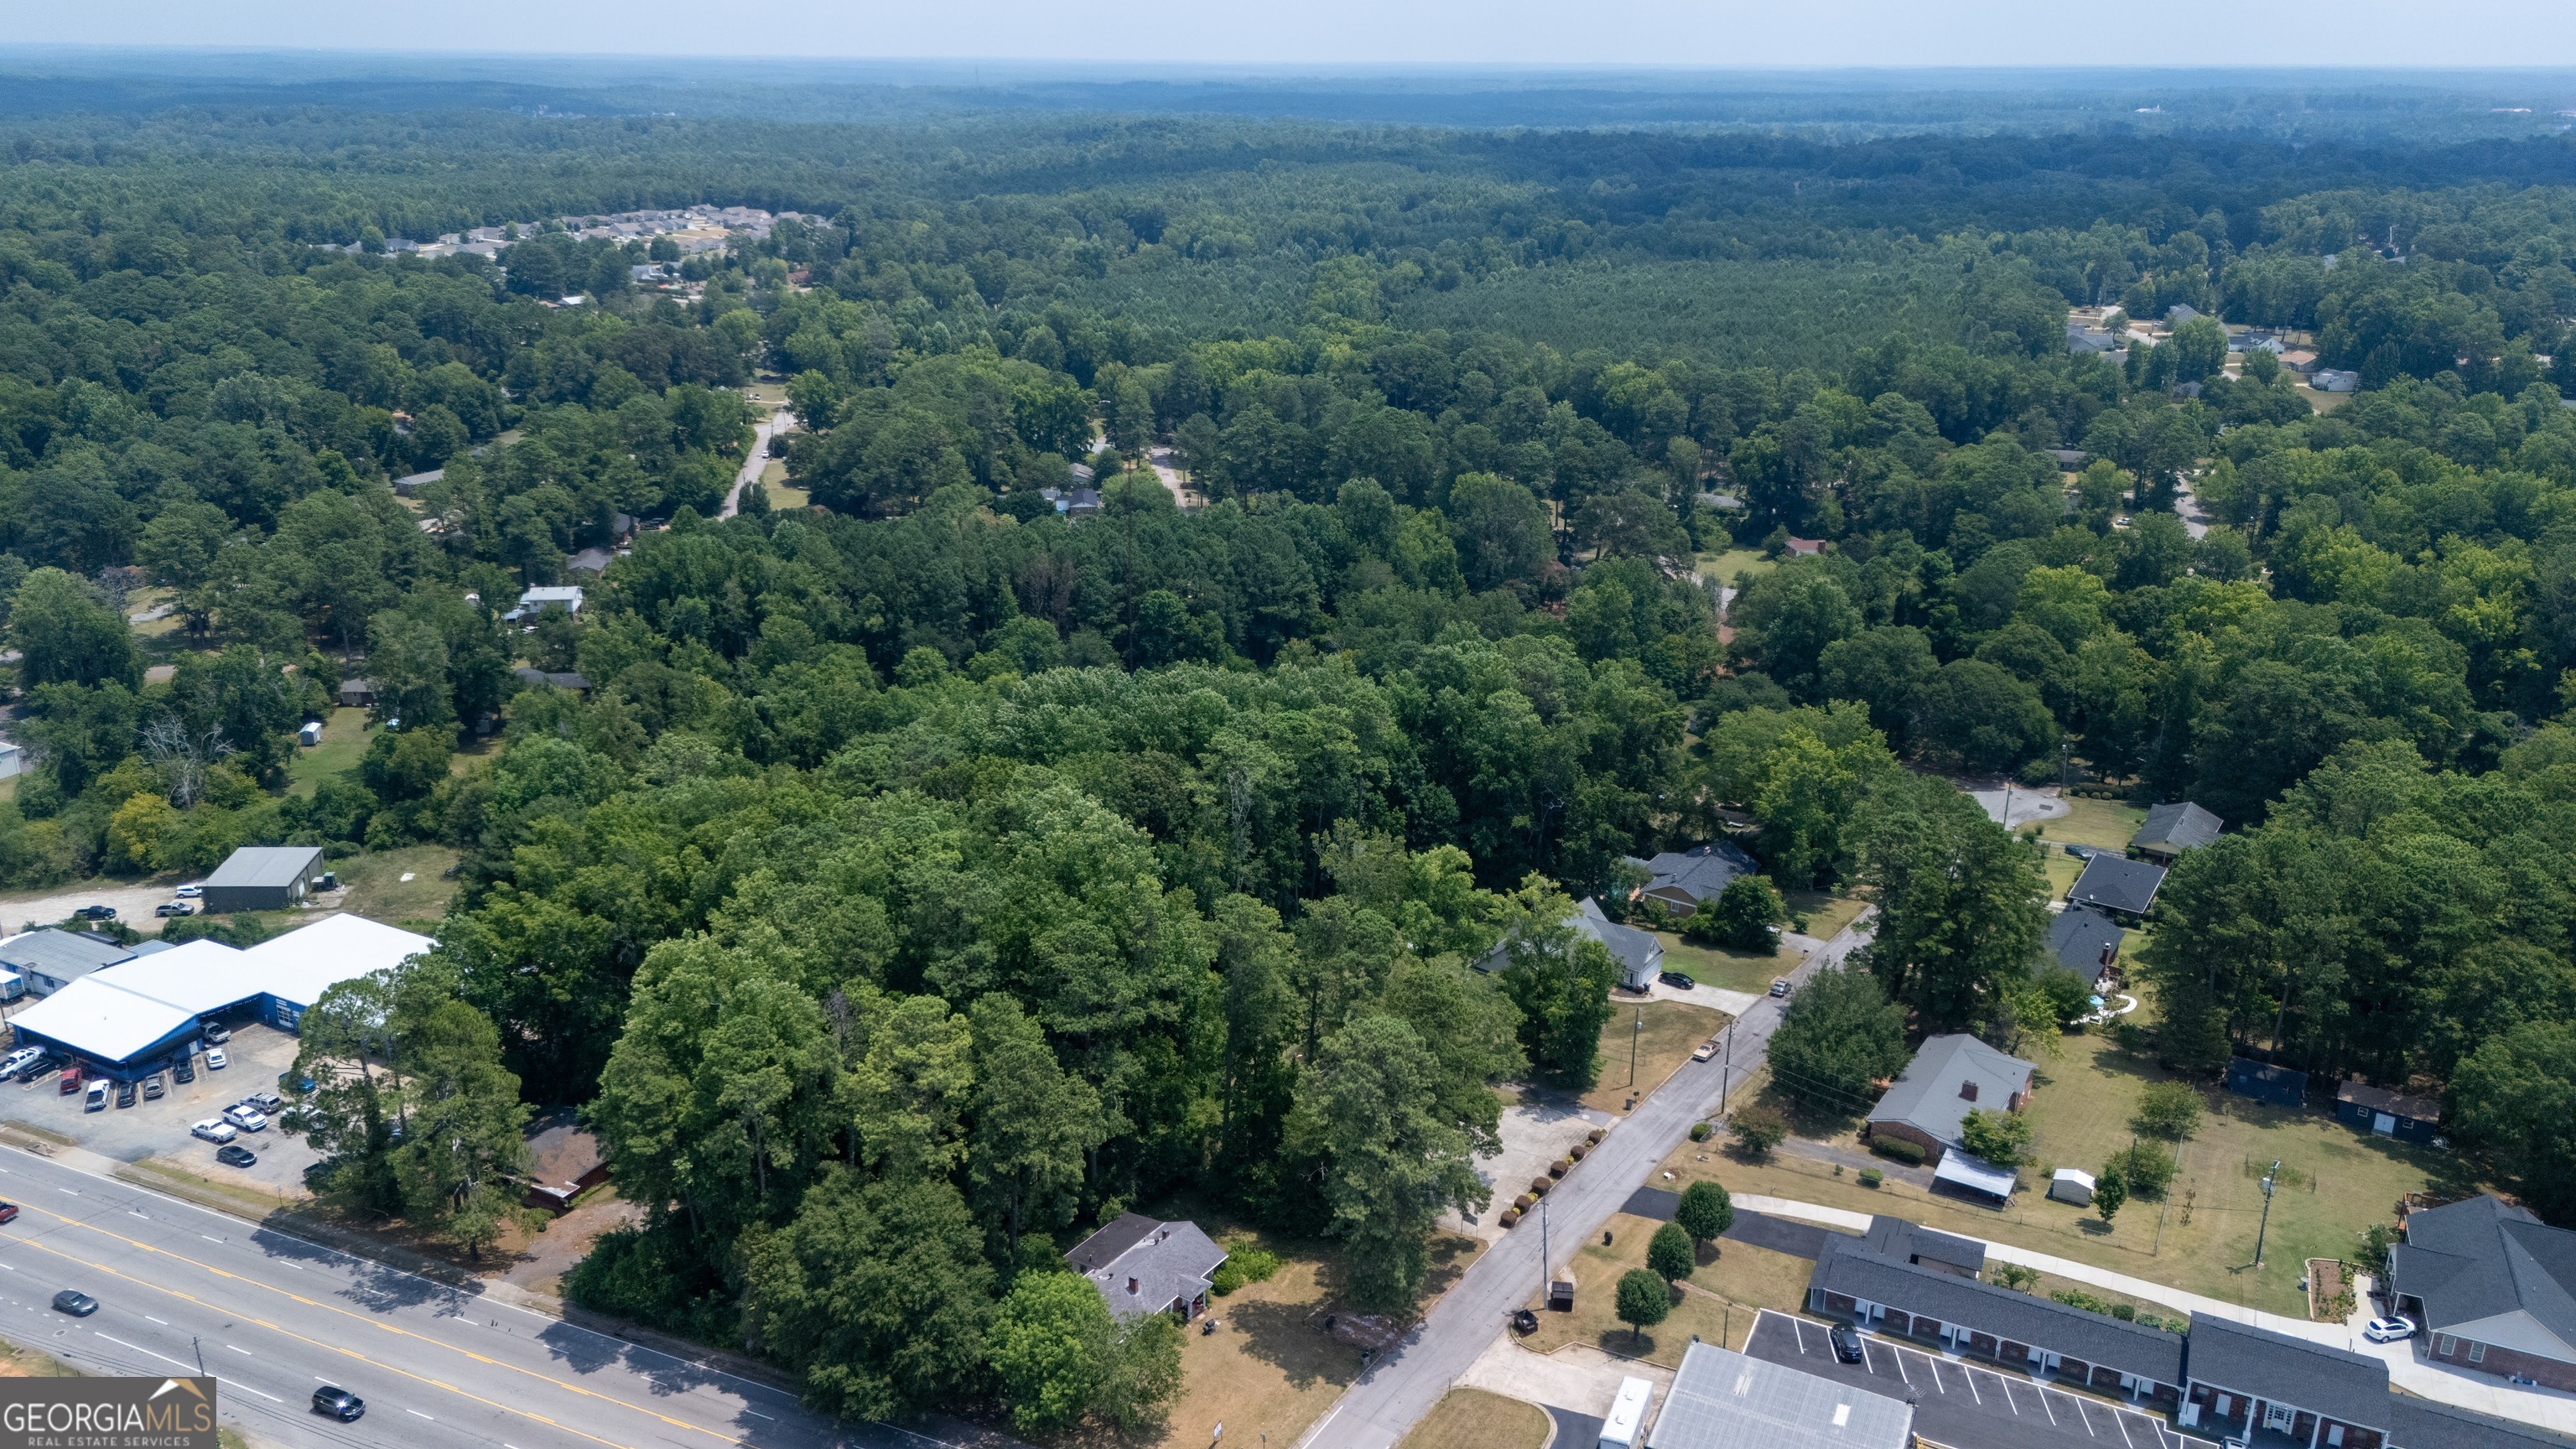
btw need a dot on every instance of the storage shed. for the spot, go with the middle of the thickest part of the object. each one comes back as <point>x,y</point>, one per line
<point>2390,1114</point>
<point>263,878</point>
<point>2073,1185</point>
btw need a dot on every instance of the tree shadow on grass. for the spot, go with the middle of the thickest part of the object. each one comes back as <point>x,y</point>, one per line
<point>1291,1338</point>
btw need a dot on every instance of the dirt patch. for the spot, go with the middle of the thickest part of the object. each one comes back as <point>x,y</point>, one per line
<point>2330,1298</point>
<point>551,1254</point>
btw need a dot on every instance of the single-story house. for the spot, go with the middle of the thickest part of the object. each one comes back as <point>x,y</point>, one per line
<point>262,878</point>
<point>2086,942</point>
<point>411,483</point>
<point>1721,1399</point>
<point>1805,547</point>
<point>1721,502</point>
<point>2327,379</point>
<point>2039,1336</point>
<point>48,959</point>
<point>2118,887</point>
<point>2493,1287</point>
<point>1142,1265</point>
<point>357,693</point>
<point>564,1160</point>
<point>555,679</point>
<point>533,602</point>
<point>2179,313</point>
<point>592,560</point>
<point>1949,1077</point>
<point>2243,1378</point>
<point>139,1015</point>
<point>1639,955</point>
<point>2172,829</point>
<point>2300,360</point>
<point>1684,880</point>
<point>2390,1114</point>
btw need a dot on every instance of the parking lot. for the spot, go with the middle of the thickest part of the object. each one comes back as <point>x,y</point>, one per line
<point>1967,1406</point>
<point>258,1055</point>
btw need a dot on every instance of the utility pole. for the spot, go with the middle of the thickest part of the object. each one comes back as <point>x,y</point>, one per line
<point>2268,1179</point>
<point>1726,1074</point>
<point>1635,1032</point>
<point>1543,1300</point>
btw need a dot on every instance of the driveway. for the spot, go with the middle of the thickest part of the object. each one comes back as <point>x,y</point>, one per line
<point>1967,1406</point>
<point>1536,1131</point>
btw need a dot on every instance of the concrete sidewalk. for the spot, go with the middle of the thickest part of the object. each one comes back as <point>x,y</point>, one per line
<point>2416,1375</point>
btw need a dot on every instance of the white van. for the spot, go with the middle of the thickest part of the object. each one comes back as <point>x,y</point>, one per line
<point>1625,1428</point>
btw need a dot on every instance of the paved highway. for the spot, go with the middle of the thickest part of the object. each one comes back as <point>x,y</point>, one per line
<point>1394,1395</point>
<point>273,1317</point>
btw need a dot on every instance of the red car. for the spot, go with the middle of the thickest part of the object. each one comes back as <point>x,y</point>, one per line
<point>8,1212</point>
<point>71,1080</point>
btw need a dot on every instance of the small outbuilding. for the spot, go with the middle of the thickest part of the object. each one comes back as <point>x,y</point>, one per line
<point>2265,1082</point>
<point>263,878</point>
<point>357,693</point>
<point>2172,829</point>
<point>1975,1177</point>
<point>2389,1114</point>
<point>2069,1184</point>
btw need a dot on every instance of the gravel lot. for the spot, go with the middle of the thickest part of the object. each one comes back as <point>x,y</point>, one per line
<point>133,901</point>
<point>160,1129</point>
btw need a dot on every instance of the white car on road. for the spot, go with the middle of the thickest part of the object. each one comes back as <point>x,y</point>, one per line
<point>246,1117</point>
<point>214,1129</point>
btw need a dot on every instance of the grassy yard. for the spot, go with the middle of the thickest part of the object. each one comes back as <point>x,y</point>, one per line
<point>1723,567</point>
<point>345,737</point>
<point>2106,823</point>
<point>1717,1302</point>
<point>1670,1030</point>
<point>774,478</point>
<point>1826,915</point>
<point>2335,1183</point>
<point>1726,967</point>
<point>1271,1366</point>
<point>378,891</point>
<point>1474,1419</point>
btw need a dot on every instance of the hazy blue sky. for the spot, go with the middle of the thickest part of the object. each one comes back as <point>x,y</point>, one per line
<point>1408,32</point>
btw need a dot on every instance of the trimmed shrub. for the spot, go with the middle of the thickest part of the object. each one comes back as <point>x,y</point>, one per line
<point>1897,1149</point>
<point>1702,1131</point>
<point>1511,1216</point>
<point>1560,1167</point>
<point>1595,1135</point>
<point>1522,1203</point>
<point>1871,1177</point>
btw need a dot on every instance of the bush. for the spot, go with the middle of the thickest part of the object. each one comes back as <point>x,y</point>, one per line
<point>1744,914</point>
<point>1871,1177</point>
<point>1671,1255</point>
<point>1511,1216</point>
<point>1702,1131</point>
<point>1524,1202</point>
<point>2126,1313</point>
<point>2170,1110</point>
<point>1578,1151</point>
<point>1758,1129</point>
<point>2000,1137</point>
<point>1540,1185</point>
<point>1244,1263</point>
<point>1594,1136</point>
<point>1560,1167</point>
<point>2147,1168</point>
<point>1897,1149</point>
<point>2013,1276</point>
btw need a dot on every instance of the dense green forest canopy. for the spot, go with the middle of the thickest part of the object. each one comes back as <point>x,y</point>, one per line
<point>917,876</point>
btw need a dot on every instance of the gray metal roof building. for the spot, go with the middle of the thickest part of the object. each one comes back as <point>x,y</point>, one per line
<point>49,959</point>
<point>1849,1269</point>
<point>2172,829</point>
<point>262,878</point>
<point>1894,1237</point>
<point>1723,1400</point>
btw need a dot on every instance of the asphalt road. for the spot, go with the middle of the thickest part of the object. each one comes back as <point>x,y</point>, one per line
<point>1400,1388</point>
<point>273,1317</point>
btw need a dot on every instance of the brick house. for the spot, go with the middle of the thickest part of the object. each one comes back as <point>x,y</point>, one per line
<point>2244,1379</point>
<point>1949,1077</point>
<point>2493,1287</point>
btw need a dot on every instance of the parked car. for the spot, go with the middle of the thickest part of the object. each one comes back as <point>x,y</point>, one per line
<point>1679,981</point>
<point>265,1101</point>
<point>19,1061</point>
<point>231,1156</point>
<point>2389,1330</point>
<point>214,1129</point>
<point>125,1094</point>
<point>1779,985</point>
<point>216,1061</point>
<point>97,1096</point>
<point>71,1080</point>
<point>174,908</point>
<point>152,1088</point>
<point>339,1403</point>
<point>1846,1343</point>
<point>248,1119</point>
<point>75,1303</point>
<point>96,913</point>
<point>8,1212</point>
<point>216,1035</point>
<point>191,891</point>
<point>185,1069</point>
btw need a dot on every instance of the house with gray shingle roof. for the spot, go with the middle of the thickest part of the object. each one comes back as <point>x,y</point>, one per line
<point>2172,829</point>
<point>2116,886</point>
<point>1639,955</point>
<point>1950,1077</point>
<point>1143,1265</point>
<point>1684,880</point>
<point>2086,942</point>
<point>2493,1286</point>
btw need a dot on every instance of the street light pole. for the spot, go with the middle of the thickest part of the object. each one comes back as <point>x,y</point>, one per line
<point>2266,1226</point>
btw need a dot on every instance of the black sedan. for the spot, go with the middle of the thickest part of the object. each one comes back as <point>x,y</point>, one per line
<point>75,1303</point>
<point>1846,1343</point>
<point>339,1403</point>
<point>231,1156</point>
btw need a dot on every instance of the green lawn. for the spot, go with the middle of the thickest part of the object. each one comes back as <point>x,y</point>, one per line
<point>378,891</point>
<point>1733,1282</point>
<point>345,737</point>
<point>2335,1184</point>
<point>1826,915</point>
<point>1723,567</point>
<point>1726,967</point>
<point>1671,1031</point>
<point>2105,823</point>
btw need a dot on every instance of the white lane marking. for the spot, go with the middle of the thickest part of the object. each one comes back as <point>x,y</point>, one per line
<point>755,1413</point>
<point>1973,1396</point>
<point>165,1358</point>
<point>2045,1409</point>
<point>210,1240</point>
<point>1935,1365</point>
<point>237,1348</point>
<point>131,1213</point>
<point>165,1323</point>
<point>245,1388</point>
<point>72,1191</point>
<point>417,1414</point>
<point>1900,1369</point>
<point>2121,1418</point>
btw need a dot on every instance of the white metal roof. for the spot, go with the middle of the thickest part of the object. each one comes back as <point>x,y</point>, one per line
<point>120,1010</point>
<point>1975,1172</point>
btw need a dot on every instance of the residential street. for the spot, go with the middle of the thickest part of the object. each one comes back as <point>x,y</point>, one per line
<point>273,1316</point>
<point>777,422</point>
<point>1394,1394</point>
